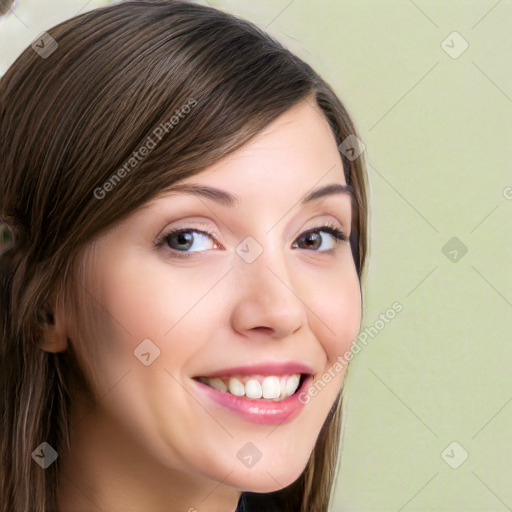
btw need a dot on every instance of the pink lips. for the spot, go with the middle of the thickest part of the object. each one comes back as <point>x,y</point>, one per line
<point>261,411</point>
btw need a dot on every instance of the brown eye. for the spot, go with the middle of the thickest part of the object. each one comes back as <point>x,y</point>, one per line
<point>314,238</point>
<point>311,241</point>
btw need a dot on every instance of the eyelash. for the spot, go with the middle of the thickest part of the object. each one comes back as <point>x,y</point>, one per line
<point>330,228</point>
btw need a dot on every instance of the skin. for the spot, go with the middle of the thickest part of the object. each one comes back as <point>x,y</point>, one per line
<point>149,440</point>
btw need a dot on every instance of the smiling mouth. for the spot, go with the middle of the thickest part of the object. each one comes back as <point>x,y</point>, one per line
<point>266,387</point>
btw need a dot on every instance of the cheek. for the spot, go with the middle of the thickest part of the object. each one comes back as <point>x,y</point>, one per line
<point>147,301</point>
<point>150,297</point>
<point>335,304</point>
<point>127,310</point>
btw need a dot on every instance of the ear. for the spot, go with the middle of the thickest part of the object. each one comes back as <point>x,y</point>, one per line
<point>53,329</point>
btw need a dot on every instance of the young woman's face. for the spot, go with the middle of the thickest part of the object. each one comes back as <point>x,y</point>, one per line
<point>243,293</point>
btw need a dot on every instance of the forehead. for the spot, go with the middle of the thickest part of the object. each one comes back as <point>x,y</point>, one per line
<point>294,154</point>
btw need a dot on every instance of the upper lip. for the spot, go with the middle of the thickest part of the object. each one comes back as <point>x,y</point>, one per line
<point>271,368</point>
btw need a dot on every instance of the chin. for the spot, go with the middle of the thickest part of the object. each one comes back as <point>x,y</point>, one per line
<point>266,479</point>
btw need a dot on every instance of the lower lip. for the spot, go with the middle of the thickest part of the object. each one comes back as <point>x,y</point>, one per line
<point>264,411</point>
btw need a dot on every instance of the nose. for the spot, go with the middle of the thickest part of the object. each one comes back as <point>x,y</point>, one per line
<point>266,298</point>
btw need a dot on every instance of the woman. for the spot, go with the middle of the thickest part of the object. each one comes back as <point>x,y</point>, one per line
<point>188,214</point>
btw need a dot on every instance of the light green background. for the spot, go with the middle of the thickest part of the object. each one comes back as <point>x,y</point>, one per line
<point>438,142</point>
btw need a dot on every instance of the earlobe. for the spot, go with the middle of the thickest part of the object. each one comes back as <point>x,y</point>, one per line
<point>53,332</point>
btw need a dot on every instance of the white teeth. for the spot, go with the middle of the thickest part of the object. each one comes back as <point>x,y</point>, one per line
<point>236,387</point>
<point>253,389</point>
<point>282,387</point>
<point>218,384</point>
<point>292,384</point>
<point>270,387</point>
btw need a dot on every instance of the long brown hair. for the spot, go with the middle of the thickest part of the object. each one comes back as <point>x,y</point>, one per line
<point>69,120</point>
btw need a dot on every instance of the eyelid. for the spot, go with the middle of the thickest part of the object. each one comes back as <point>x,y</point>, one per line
<point>329,227</point>
<point>324,219</point>
<point>205,227</point>
<point>201,228</point>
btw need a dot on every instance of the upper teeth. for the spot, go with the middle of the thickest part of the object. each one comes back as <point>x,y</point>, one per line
<point>273,387</point>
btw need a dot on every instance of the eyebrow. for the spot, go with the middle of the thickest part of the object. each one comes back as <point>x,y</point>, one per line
<point>228,199</point>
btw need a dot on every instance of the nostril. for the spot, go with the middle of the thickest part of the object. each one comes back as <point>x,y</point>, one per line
<point>263,329</point>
